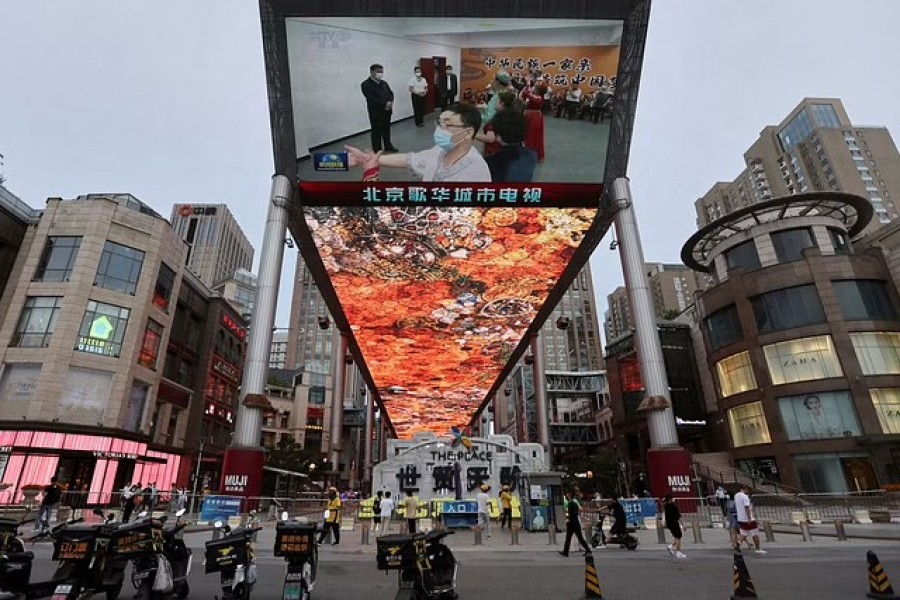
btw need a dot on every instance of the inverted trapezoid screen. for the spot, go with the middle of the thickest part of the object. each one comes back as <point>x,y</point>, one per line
<point>438,297</point>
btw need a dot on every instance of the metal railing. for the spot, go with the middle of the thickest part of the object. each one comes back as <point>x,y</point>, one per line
<point>737,476</point>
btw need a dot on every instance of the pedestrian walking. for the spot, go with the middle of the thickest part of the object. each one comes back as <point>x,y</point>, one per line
<point>748,527</point>
<point>387,511</point>
<point>673,524</point>
<point>722,499</point>
<point>376,511</point>
<point>130,497</point>
<point>506,505</point>
<point>49,503</point>
<point>573,525</point>
<point>484,515</point>
<point>411,505</point>
<point>332,518</point>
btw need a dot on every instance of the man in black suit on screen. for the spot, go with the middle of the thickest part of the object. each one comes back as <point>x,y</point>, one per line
<point>447,88</point>
<point>380,105</point>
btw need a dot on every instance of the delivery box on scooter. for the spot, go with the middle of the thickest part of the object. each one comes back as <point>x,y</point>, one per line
<point>295,540</point>
<point>400,551</point>
<point>226,553</point>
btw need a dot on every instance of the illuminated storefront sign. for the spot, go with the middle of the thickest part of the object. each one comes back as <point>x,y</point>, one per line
<point>225,369</point>
<point>98,339</point>
<point>234,327</point>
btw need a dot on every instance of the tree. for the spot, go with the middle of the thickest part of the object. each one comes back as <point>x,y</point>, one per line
<point>603,466</point>
<point>670,314</point>
<point>291,456</point>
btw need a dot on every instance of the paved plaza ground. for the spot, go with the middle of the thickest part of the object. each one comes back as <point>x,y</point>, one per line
<point>822,569</point>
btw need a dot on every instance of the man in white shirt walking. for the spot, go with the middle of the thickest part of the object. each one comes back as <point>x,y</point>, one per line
<point>484,515</point>
<point>747,525</point>
<point>387,510</point>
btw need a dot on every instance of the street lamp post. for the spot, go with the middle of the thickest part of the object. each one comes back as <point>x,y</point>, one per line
<point>197,475</point>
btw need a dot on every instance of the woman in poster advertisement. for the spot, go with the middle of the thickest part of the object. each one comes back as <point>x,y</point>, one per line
<point>819,420</point>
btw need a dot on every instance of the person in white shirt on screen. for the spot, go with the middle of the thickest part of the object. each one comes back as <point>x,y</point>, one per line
<point>747,526</point>
<point>418,87</point>
<point>453,157</point>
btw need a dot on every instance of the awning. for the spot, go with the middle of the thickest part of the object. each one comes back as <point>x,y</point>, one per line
<point>286,472</point>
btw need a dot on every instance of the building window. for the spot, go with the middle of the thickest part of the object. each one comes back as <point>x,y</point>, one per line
<point>37,321</point>
<point>865,299</point>
<point>802,359</point>
<point>748,425</point>
<point>724,327</point>
<point>317,395</point>
<point>735,374</point>
<point>790,243</point>
<point>835,473</point>
<point>839,241</point>
<point>887,407</point>
<point>103,329</point>
<point>817,416</point>
<point>165,283</point>
<point>788,308</point>
<point>743,256</point>
<point>58,258</point>
<point>120,268</point>
<point>878,353</point>
<point>150,344</point>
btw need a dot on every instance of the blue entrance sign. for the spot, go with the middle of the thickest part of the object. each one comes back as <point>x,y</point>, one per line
<point>220,507</point>
<point>463,513</point>
<point>639,509</point>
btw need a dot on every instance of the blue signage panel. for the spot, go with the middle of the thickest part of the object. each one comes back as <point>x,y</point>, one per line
<point>220,507</point>
<point>639,509</point>
<point>331,161</point>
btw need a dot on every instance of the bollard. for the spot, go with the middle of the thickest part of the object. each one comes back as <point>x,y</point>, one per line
<point>217,534</point>
<point>840,531</point>
<point>514,535</point>
<point>698,533</point>
<point>804,531</point>
<point>588,532</point>
<point>478,529</point>
<point>660,532</point>
<point>551,534</point>
<point>770,533</point>
<point>364,535</point>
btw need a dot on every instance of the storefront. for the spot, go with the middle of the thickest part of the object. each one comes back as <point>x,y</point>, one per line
<point>105,464</point>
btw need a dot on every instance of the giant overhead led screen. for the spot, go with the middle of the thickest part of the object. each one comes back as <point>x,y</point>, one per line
<point>438,294</point>
<point>451,157</point>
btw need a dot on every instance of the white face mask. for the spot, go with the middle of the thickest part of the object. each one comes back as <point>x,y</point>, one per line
<point>418,73</point>
<point>379,76</point>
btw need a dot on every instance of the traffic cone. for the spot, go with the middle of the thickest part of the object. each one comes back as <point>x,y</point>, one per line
<point>879,584</point>
<point>743,585</point>
<point>592,589</point>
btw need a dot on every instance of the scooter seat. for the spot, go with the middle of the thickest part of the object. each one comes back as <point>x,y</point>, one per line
<point>19,556</point>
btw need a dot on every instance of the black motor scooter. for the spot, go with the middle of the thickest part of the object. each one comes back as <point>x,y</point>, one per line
<point>626,540</point>
<point>427,567</point>
<point>163,548</point>
<point>233,558</point>
<point>296,542</point>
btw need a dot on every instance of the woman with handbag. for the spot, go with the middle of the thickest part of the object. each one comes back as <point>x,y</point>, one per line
<point>332,518</point>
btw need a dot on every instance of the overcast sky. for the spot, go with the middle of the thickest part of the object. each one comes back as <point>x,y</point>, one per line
<point>167,100</point>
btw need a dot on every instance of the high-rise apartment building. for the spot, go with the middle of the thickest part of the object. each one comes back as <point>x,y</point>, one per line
<point>815,148</point>
<point>278,349</point>
<point>240,291</point>
<point>217,247</point>
<point>672,287</point>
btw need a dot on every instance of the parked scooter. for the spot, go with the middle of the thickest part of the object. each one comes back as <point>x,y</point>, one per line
<point>162,563</point>
<point>85,568</point>
<point>626,540</point>
<point>427,567</point>
<point>232,556</point>
<point>296,542</point>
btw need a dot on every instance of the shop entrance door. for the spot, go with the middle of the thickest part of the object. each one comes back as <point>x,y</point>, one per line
<point>75,471</point>
<point>860,474</point>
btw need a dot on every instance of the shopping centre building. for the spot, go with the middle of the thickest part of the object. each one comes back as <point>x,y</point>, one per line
<point>117,365</point>
<point>801,341</point>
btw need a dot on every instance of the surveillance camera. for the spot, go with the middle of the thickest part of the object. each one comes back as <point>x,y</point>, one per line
<point>324,322</point>
<point>348,360</point>
<point>529,359</point>
<point>507,392</point>
<point>613,245</point>
<point>562,323</point>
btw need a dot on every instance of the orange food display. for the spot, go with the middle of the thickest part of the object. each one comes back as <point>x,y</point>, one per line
<point>438,297</point>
